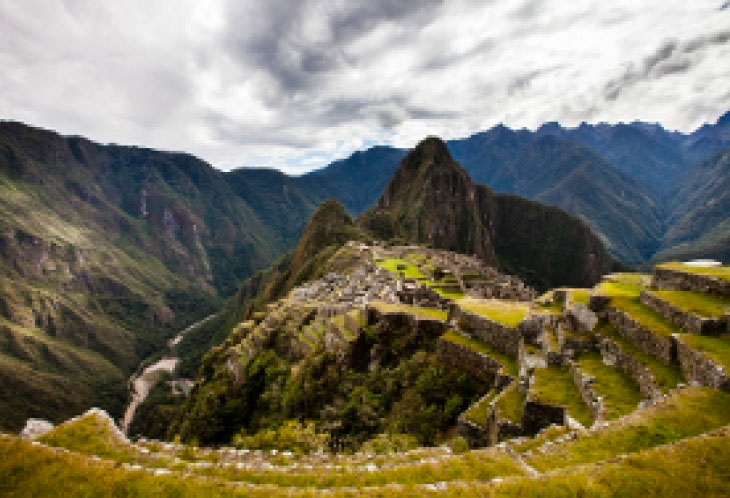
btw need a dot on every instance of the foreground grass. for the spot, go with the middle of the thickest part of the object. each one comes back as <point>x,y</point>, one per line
<point>696,467</point>
<point>555,386</point>
<point>667,376</point>
<point>509,363</point>
<point>508,313</point>
<point>620,392</point>
<point>722,272</point>
<point>688,413</point>
<point>699,303</point>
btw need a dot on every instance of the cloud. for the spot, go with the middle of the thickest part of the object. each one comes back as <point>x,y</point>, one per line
<point>672,57</point>
<point>295,85</point>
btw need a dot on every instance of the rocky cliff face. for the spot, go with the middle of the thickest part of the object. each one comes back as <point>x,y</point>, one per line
<point>432,200</point>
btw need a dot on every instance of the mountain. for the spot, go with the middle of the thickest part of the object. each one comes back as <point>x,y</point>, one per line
<point>432,200</point>
<point>707,139</point>
<point>106,251</point>
<point>699,222</point>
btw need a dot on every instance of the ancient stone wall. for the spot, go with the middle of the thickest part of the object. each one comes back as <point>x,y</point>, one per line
<point>688,322</point>
<point>666,279</point>
<point>506,339</point>
<point>579,318</point>
<point>660,347</point>
<point>584,383</point>
<point>474,362</point>
<point>400,320</point>
<point>697,367</point>
<point>614,355</point>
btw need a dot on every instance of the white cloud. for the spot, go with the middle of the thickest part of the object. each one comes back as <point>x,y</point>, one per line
<point>296,84</point>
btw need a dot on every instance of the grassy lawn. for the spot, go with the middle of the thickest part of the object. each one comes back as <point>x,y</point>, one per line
<point>508,313</point>
<point>647,317</point>
<point>698,303</point>
<point>479,411</point>
<point>716,347</point>
<point>408,269</point>
<point>623,284</point>
<point>667,376</point>
<point>555,386</point>
<point>722,272</point>
<point>509,363</point>
<point>512,404</point>
<point>687,413</point>
<point>621,394</point>
<point>413,310</point>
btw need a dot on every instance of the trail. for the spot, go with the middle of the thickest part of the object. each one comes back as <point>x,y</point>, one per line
<point>142,384</point>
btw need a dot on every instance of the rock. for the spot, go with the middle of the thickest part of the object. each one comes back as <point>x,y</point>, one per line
<point>35,428</point>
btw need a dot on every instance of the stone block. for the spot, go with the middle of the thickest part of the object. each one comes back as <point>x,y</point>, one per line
<point>689,322</point>
<point>666,279</point>
<point>660,347</point>
<point>698,367</point>
<point>506,339</point>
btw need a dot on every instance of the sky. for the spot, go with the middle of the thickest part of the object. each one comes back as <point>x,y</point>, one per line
<point>296,84</point>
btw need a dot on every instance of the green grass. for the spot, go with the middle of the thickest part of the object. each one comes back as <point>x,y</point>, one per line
<point>698,303</point>
<point>508,313</point>
<point>716,347</point>
<point>479,411</point>
<point>511,404</point>
<point>416,311</point>
<point>667,376</point>
<point>409,270</point>
<point>621,394</point>
<point>552,306</point>
<point>555,386</point>
<point>688,413</point>
<point>623,284</point>
<point>551,433</point>
<point>722,272</point>
<point>645,316</point>
<point>580,295</point>
<point>695,467</point>
<point>509,363</point>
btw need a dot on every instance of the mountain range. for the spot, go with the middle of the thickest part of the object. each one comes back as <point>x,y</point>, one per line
<point>107,250</point>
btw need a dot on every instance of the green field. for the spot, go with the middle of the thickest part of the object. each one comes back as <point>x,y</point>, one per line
<point>699,303</point>
<point>508,313</point>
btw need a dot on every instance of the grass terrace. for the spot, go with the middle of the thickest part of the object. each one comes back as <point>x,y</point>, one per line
<point>508,313</point>
<point>623,284</point>
<point>511,404</point>
<point>699,303</point>
<point>549,434</point>
<point>722,272</point>
<point>667,376</point>
<point>621,394</point>
<point>717,348</point>
<point>479,411</point>
<point>400,266</point>
<point>509,363</point>
<point>647,317</point>
<point>555,386</point>
<point>580,295</point>
<point>686,413</point>
<point>416,311</point>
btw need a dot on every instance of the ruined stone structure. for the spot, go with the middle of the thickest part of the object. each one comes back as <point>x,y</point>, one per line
<point>660,347</point>
<point>479,365</point>
<point>683,319</point>
<point>666,279</point>
<point>613,354</point>
<point>697,367</point>
<point>506,339</point>
<point>584,383</point>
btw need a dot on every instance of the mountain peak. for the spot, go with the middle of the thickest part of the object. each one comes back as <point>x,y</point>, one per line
<point>429,151</point>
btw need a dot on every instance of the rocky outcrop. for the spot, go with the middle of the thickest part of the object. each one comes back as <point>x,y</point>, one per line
<point>506,339</point>
<point>668,279</point>
<point>685,320</point>
<point>660,347</point>
<point>614,355</point>
<point>698,367</point>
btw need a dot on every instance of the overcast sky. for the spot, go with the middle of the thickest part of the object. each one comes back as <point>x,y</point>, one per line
<point>294,84</point>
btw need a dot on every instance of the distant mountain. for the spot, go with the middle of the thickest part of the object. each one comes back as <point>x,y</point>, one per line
<point>432,200</point>
<point>707,140</point>
<point>699,223</point>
